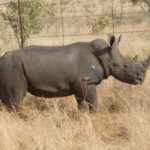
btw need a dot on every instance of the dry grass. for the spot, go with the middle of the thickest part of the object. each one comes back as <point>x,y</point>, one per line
<point>122,121</point>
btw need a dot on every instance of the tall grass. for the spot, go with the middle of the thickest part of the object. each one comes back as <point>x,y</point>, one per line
<point>122,122</point>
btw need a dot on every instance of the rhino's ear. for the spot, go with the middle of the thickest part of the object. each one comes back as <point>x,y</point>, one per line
<point>111,40</point>
<point>119,39</point>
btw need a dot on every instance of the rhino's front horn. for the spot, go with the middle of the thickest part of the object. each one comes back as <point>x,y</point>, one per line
<point>146,63</point>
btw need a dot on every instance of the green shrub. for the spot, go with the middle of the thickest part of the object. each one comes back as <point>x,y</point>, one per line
<point>98,24</point>
<point>33,14</point>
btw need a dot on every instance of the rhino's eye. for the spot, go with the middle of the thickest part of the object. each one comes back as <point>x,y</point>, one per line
<point>115,65</point>
<point>126,65</point>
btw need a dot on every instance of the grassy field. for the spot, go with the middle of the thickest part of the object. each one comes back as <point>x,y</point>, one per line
<point>121,123</point>
<point>123,118</point>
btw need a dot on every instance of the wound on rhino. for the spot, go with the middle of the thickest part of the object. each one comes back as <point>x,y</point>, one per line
<point>55,71</point>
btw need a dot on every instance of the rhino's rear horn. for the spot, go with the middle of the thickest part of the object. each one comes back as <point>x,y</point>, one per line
<point>146,63</point>
<point>135,58</point>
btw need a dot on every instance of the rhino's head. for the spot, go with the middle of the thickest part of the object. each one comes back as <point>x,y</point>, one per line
<point>124,69</point>
<point>121,68</point>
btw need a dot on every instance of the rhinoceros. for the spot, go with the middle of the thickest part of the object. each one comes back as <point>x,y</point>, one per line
<point>56,71</point>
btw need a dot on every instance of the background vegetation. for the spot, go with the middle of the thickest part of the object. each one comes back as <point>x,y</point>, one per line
<point>33,17</point>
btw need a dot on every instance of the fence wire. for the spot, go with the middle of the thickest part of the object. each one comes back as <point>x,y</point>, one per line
<point>71,22</point>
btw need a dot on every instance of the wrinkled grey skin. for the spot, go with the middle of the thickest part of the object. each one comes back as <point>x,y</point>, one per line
<point>51,71</point>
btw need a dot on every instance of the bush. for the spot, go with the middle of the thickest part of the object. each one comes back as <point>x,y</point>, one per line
<point>98,24</point>
<point>33,14</point>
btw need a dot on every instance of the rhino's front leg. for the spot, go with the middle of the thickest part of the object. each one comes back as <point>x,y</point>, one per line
<point>91,97</point>
<point>87,98</point>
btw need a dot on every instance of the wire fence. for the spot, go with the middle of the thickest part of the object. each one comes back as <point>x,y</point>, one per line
<point>71,21</point>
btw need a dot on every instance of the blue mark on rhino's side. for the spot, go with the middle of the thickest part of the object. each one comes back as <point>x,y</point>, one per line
<point>95,71</point>
<point>98,43</point>
<point>8,65</point>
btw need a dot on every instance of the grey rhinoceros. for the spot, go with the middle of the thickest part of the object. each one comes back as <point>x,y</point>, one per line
<point>55,71</point>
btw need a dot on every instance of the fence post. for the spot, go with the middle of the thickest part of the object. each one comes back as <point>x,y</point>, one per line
<point>20,24</point>
<point>62,20</point>
<point>113,16</point>
<point>122,6</point>
<point>112,1</point>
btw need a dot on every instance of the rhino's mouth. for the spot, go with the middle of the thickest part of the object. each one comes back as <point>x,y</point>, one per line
<point>138,80</point>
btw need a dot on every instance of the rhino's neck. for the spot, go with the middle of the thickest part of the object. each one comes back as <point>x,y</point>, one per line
<point>104,62</point>
<point>102,54</point>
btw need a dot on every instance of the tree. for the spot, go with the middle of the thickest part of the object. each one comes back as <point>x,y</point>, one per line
<point>147,2</point>
<point>33,16</point>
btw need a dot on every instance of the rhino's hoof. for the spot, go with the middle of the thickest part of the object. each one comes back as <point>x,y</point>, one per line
<point>83,106</point>
<point>92,109</point>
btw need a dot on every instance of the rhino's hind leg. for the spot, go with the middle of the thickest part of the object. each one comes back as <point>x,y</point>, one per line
<point>11,98</point>
<point>87,98</point>
<point>13,91</point>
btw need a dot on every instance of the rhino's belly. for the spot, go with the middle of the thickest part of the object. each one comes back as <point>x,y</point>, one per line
<point>50,90</point>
